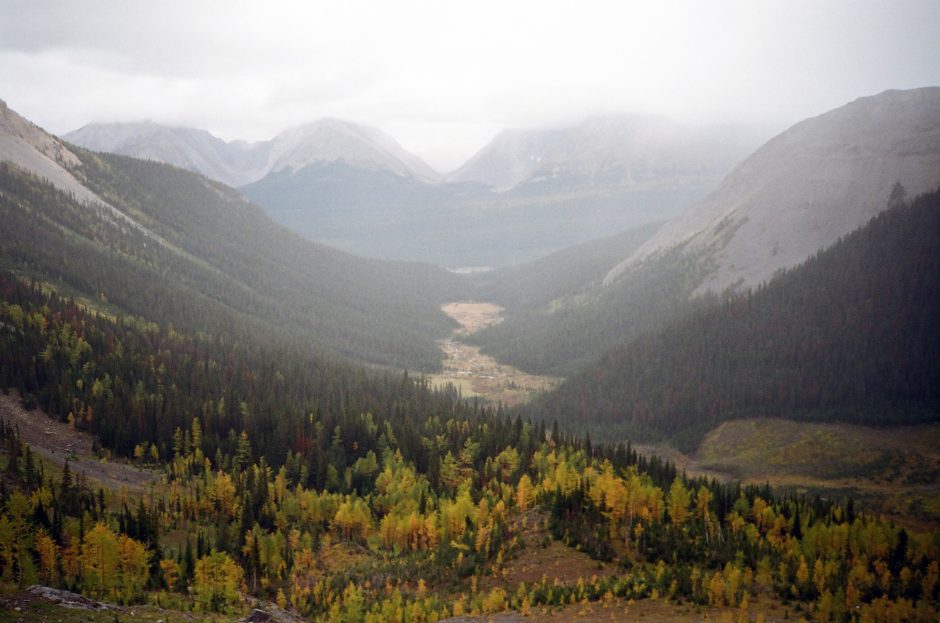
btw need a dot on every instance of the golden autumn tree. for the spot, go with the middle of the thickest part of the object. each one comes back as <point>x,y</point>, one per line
<point>217,582</point>
<point>133,568</point>
<point>303,578</point>
<point>99,561</point>
<point>525,493</point>
<point>170,569</point>
<point>48,552</point>
<point>677,503</point>
<point>113,567</point>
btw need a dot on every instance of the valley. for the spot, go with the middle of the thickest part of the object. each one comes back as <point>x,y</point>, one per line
<point>476,374</point>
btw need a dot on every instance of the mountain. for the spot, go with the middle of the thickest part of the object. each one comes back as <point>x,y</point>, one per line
<point>332,140</point>
<point>28,147</point>
<point>791,198</point>
<point>155,241</point>
<point>525,195</point>
<point>606,151</point>
<point>355,188</point>
<point>172,434</point>
<point>386,216</point>
<point>810,185</point>
<point>238,163</point>
<point>195,150</point>
<point>850,335</point>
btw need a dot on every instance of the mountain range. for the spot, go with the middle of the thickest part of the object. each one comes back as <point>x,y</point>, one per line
<point>796,195</point>
<point>237,163</point>
<point>281,453</point>
<point>526,194</point>
<point>616,150</point>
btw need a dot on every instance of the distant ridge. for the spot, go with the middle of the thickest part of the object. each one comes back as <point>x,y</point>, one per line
<point>614,150</point>
<point>238,163</point>
<point>526,195</point>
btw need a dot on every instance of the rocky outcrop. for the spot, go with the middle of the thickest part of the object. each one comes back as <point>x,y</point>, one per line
<point>66,599</point>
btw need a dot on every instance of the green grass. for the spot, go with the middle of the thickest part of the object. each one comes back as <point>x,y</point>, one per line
<point>895,469</point>
<point>755,447</point>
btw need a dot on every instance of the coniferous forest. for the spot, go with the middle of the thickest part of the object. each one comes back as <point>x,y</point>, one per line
<point>268,459</point>
<point>206,259</point>
<point>265,460</point>
<point>791,348</point>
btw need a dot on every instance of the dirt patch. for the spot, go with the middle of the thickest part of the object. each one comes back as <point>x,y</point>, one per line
<point>58,442</point>
<point>541,558</point>
<point>473,316</point>
<point>477,374</point>
<point>555,561</point>
<point>683,462</point>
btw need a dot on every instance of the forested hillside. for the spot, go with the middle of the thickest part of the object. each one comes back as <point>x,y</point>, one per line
<point>183,250</point>
<point>562,339</point>
<point>349,497</point>
<point>562,274</point>
<point>851,336</point>
<point>131,381</point>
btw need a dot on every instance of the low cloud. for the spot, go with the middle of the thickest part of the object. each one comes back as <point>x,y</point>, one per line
<point>442,76</point>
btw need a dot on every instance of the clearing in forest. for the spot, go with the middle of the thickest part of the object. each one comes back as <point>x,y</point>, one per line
<point>57,442</point>
<point>478,374</point>
<point>895,470</point>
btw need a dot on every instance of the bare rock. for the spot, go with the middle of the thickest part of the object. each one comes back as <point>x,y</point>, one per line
<point>66,598</point>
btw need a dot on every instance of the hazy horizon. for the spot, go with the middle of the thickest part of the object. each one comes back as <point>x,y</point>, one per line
<point>444,79</point>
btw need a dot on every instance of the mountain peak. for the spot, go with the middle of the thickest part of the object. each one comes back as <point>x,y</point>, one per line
<point>331,139</point>
<point>238,163</point>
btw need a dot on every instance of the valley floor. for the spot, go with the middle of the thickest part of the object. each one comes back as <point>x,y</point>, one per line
<point>477,374</point>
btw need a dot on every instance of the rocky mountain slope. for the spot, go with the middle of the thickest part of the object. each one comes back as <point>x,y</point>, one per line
<point>807,187</point>
<point>27,146</point>
<point>848,336</point>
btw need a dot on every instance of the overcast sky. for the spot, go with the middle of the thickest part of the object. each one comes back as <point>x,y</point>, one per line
<point>444,76</point>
